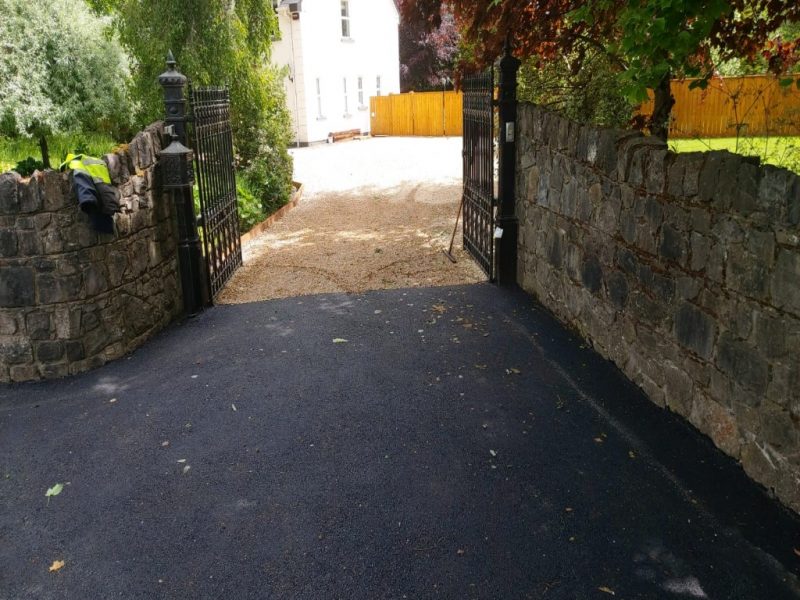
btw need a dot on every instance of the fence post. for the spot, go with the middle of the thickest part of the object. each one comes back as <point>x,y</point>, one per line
<point>507,157</point>
<point>177,176</point>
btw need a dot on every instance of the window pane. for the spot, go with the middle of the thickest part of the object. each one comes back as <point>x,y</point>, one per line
<point>345,8</point>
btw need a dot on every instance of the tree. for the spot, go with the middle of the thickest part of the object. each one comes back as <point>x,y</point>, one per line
<point>62,72</point>
<point>427,57</point>
<point>216,42</point>
<point>650,41</point>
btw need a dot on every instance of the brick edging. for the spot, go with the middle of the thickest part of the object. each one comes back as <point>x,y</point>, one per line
<point>276,216</point>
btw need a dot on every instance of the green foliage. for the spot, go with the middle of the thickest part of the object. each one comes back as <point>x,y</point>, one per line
<point>251,212</point>
<point>13,150</point>
<point>583,88</point>
<point>27,166</point>
<point>216,42</point>
<point>62,71</point>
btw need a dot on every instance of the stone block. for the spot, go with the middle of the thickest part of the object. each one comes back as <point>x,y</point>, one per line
<point>16,351</point>
<point>592,274</point>
<point>8,243</point>
<point>30,243</point>
<point>56,191</point>
<point>67,322</point>
<point>777,427</point>
<point>8,323</point>
<point>656,171</point>
<point>718,423</point>
<point>95,280</point>
<point>49,352</point>
<point>745,196</point>
<point>700,249</point>
<point>54,289</point>
<point>16,287</point>
<point>672,246</point>
<point>746,274</point>
<point>678,388</point>
<point>30,198</point>
<point>743,363</point>
<point>688,288</point>
<point>22,373</point>
<point>695,330</point>
<point>785,281</point>
<point>38,325</point>
<point>618,290</point>
<point>9,198</point>
<point>74,350</point>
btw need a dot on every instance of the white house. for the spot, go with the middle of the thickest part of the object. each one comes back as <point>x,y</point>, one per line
<point>338,54</point>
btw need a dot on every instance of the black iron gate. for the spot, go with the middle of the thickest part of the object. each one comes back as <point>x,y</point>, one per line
<point>479,179</point>
<point>212,142</point>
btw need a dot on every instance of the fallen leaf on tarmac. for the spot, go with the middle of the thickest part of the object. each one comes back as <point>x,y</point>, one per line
<point>513,371</point>
<point>599,440</point>
<point>796,551</point>
<point>55,490</point>
<point>439,308</point>
<point>492,452</point>
<point>186,469</point>
<point>233,407</point>
<point>181,460</point>
<point>568,509</point>
<point>165,443</point>
<point>57,564</point>
<point>607,590</point>
<point>632,454</point>
<point>112,401</point>
<point>339,341</point>
<point>480,366</point>
<point>460,552</point>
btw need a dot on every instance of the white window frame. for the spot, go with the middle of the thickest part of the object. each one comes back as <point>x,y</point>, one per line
<point>377,85</point>
<point>345,16</point>
<point>361,105</point>
<point>346,103</point>
<point>320,115</point>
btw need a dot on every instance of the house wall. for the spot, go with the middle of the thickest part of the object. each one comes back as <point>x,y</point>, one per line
<point>684,269</point>
<point>321,53</point>
<point>72,299</point>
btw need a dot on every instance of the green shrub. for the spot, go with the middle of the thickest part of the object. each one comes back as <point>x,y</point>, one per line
<point>27,166</point>
<point>250,211</point>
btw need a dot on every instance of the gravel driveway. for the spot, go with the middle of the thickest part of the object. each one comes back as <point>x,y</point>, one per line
<point>376,214</point>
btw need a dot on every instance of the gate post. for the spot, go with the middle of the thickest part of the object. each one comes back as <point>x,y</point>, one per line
<point>507,220</point>
<point>177,176</point>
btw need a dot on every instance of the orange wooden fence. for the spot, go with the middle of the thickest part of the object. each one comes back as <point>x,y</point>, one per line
<point>754,105</point>
<point>417,113</point>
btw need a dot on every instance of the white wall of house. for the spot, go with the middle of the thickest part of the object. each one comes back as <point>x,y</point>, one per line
<point>326,67</point>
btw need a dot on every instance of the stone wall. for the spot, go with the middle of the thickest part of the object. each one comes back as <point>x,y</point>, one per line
<point>71,299</point>
<point>682,269</point>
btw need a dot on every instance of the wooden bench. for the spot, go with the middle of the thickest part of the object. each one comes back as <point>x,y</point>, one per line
<point>338,136</point>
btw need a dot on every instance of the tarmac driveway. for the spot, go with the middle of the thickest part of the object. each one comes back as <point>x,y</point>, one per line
<point>458,444</point>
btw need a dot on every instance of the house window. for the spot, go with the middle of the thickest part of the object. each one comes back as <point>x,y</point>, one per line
<point>361,91</point>
<point>319,100</point>
<point>345,18</point>
<point>378,85</point>
<point>346,103</point>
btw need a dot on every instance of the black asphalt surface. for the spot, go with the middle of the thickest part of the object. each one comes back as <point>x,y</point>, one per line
<point>459,444</point>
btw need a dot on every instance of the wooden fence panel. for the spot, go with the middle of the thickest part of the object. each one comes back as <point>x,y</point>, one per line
<point>754,105</point>
<point>418,113</point>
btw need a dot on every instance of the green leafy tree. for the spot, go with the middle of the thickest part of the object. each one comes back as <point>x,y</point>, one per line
<point>216,42</point>
<point>649,41</point>
<point>61,71</point>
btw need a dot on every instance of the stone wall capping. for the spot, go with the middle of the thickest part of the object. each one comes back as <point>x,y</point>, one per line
<point>684,269</point>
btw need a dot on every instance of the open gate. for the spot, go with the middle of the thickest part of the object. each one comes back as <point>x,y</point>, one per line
<point>212,142</point>
<point>479,180</point>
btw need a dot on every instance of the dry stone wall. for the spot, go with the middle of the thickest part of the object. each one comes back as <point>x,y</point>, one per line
<point>72,299</point>
<point>684,269</point>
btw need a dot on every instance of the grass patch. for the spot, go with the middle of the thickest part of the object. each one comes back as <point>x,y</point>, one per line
<point>779,151</point>
<point>13,150</point>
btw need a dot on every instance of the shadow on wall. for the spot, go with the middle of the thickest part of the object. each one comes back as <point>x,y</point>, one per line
<point>683,269</point>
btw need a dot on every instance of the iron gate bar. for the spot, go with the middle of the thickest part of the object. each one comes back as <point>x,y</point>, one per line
<point>216,182</point>
<point>478,154</point>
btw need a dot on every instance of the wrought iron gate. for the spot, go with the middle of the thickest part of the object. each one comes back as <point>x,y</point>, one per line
<point>479,179</point>
<point>212,142</point>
